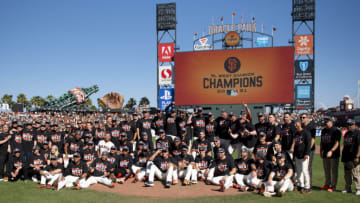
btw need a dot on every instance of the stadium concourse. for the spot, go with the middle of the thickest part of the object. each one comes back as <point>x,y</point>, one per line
<point>195,153</point>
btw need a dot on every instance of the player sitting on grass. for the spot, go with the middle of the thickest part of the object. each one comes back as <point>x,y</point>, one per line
<point>100,170</point>
<point>161,166</point>
<point>75,174</point>
<point>203,163</point>
<point>51,173</point>
<point>279,180</point>
<point>259,172</point>
<point>223,172</point>
<point>185,164</point>
<point>243,166</point>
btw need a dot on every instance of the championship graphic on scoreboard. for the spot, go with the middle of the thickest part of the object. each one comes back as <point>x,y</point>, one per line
<point>262,75</point>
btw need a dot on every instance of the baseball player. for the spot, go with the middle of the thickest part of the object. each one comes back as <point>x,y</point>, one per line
<point>72,145</point>
<point>123,167</point>
<point>163,141</point>
<point>243,166</point>
<point>259,171</point>
<point>75,174</point>
<point>302,148</point>
<point>223,172</point>
<point>100,169</point>
<point>202,142</point>
<point>203,163</point>
<point>51,173</point>
<point>36,163</point>
<point>279,179</point>
<point>105,145</point>
<point>89,154</point>
<point>161,166</point>
<point>139,167</point>
<point>16,166</point>
<point>185,165</point>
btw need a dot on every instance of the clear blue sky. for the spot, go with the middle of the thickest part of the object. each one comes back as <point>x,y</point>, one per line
<point>51,46</point>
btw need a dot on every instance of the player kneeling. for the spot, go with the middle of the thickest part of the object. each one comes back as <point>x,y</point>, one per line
<point>75,174</point>
<point>203,163</point>
<point>51,172</point>
<point>160,166</point>
<point>185,167</point>
<point>100,169</point>
<point>223,172</point>
<point>280,178</point>
<point>243,166</point>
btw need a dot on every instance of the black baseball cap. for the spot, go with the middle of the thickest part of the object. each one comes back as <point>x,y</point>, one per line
<point>16,150</point>
<point>262,134</point>
<point>90,142</point>
<point>145,148</point>
<point>200,109</point>
<point>244,150</point>
<point>123,134</point>
<point>216,138</point>
<point>327,119</point>
<point>144,134</point>
<point>276,142</point>
<point>43,124</point>
<point>164,149</point>
<point>161,131</point>
<point>183,130</point>
<point>177,139</point>
<point>125,148</point>
<point>184,146</point>
<point>280,155</point>
<point>260,154</point>
<point>36,148</point>
<point>221,150</point>
<point>141,143</point>
<point>14,121</point>
<point>113,148</point>
<point>351,122</point>
<point>76,154</point>
<point>45,142</point>
<point>105,153</point>
<point>260,114</point>
<point>210,113</point>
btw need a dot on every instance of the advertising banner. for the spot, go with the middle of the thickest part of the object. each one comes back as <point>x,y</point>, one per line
<point>259,75</point>
<point>303,98</point>
<point>166,76</point>
<point>166,96</point>
<point>303,45</point>
<point>304,69</point>
<point>166,52</point>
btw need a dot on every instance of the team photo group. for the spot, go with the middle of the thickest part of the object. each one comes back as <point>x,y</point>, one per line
<point>272,157</point>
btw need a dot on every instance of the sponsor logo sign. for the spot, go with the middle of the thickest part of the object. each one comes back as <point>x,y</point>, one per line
<point>203,45</point>
<point>232,39</point>
<point>166,75</point>
<point>303,45</point>
<point>166,52</point>
<point>166,96</point>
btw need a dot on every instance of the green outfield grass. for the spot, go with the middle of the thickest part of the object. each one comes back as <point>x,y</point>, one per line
<point>28,192</point>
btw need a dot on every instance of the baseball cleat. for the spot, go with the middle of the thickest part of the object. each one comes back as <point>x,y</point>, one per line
<point>149,184</point>
<point>167,185</point>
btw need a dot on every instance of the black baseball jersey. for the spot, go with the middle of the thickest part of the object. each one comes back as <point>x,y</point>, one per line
<point>261,127</point>
<point>57,139</point>
<point>311,128</point>
<point>51,167</point>
<point>351,145</point>
<point>144,125</point>
<point>77,169</point>
<point>89,155</point>
<point>99,135</point>
<point>202,144</point>
<point>41,137</point>
<point>186,160</point>
<point>287,135</point>
<point>302,144</point>
<point>100,167</point>
<point>223,167</point>
<point>263,169</point>
<point>164,164</point>
<point>210,130</point>
<point>37,160</point>
<point>204,162</point>
<point>158,123</point>
<point>222,127</point>
<point>112,159</point>
<point>329,136</point>
<point>16,162</point>
<point>280,171</point>
<point>141,160</point>
<point>28,139</point>
<point>16,141</point>
<point>198,122</point>
<point>124,162</point>
<point>170,126</point>
<point>243,166</point>
<point>45,153</point>
<point>115,133</point>
<point>74,145</point>
<point>264,148</point>
<point>129,129</point>
<point>271,132</point>
<point>167,142</point>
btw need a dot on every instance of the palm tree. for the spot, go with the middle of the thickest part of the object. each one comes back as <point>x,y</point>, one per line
<point>131,103</point>
<point>50,97</point>
<point>8,99</point>
<point>101,105</point>
<point>37,101</point>
<point>88,102</point>
<point>144,101</point>
<point>21,98</point>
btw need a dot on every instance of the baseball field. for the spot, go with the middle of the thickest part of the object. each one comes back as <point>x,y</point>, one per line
<point>28,192</point>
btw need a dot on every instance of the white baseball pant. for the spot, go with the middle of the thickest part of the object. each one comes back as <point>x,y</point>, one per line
<point>155,171</point>
<point>183,173</point>
<point>241,179</point>
<point>51,177</point>
<point>69,182</point>
<point>216,180</point>
<point>302,173</point>
<point>286,186</point>
<point>97,179</point>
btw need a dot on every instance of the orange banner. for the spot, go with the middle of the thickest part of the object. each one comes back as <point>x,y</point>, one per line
<point>259,75</point>
<point>303,45</point>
